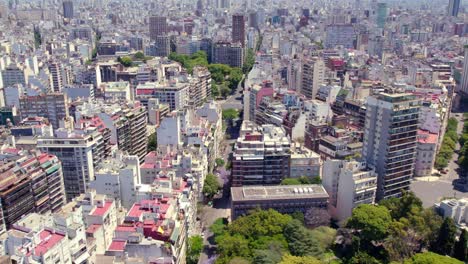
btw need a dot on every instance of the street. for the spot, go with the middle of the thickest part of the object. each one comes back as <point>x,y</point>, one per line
<point>221,206</point>
<point>234,100</point>
<point>432,190</point>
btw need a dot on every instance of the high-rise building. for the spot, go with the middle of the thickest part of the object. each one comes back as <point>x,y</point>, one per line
<point>349,184</point>
<point>261,155</point>
<point>79,151</point>
<point>229,54</point>
<point>68,9</point>
<point>56,80</point>
<point>29,184</point>
<point>53,106</point>
<point>12,75</point>
<point>340,35</point>
<point>313,74</point>
<point>157,26</point>
<point>200,85</point>
<point>238,29</point>
<point>381,16</point>
<point>126,122</point>
<point>176,95</point>
<point>464,82</point>
<point>390,140</point>
<point>453,7</point>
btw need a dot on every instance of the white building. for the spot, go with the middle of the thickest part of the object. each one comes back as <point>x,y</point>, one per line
<point>117,91</point>
<point>304,162</point>
<point>349,184</point>
<point>168,133</point>
<point>78,150</point>
<point>319,110</point>
<point>117,177</point>
<point>175,94</point>
<point>313,75</point>
<point>455,209</point>
<point>83,91</point>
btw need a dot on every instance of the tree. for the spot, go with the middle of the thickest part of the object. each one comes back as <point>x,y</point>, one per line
<point>152,142</point>
<point>289,259</point>
<point>238,260</point>
<point>446,238</point>
<point>219,227</point>
<point>371,220</point>
<point>230,114</point>
<point>402,241</point>
<point>324,235</point>
<point>290,181</point>
<point>260,223</point>
<point>315,217</point>
<point>431,258</point>
<point>139,55</point>
<point>211,186</point>
<point>300,241</point>
<point>219,162</point>
<point>460,250</point>
<point>194,248</point>
<point>224,90</point>
<point>125,61</point>
<point>363,258</point>
<point>271,254</point>
<point>408,204</point>
<point>249,61</point>
<point>231,246</point>
<point>214,90</point>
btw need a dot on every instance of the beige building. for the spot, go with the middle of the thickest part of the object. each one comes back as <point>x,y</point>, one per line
<point>282,198</point>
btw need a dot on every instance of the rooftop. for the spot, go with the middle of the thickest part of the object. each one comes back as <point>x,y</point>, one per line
<point>278,192</point>
<point>100,211</point>
<point>48,240</point>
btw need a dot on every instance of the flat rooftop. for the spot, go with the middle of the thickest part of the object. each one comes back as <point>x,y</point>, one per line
<point>278,192</point>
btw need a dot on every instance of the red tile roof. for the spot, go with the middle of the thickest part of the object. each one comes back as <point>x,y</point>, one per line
<point>100,211</point>
<point>117,245</point>
<point>48,240</point>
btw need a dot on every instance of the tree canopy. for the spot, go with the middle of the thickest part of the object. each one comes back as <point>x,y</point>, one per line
<point>125,61</point>
<point>211,186</point>
<point>230,114</point>
<point>460,251</point>
<point>372,221</point>
<point>431,258</point>
<point>194,248</point>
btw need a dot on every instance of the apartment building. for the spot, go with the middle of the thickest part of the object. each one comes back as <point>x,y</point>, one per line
<point>313,76</point>
<point>175,94</point>
<point>261,155</point>
<point>349,184</point>
<point>117,177</point>
<point>55,76</point>
<point>126,121</point>
<point>12,75</point>
<point>231,54</point>
<point>304,162</point>
<point>79,151</point>
<point>455,209</point>
<point>390,140</point>
<point>53,106</point>
<point>74,234</point>
<point>200,86</point>
<point>29,184</point>
<point>426,153</point>
<point>285,199</point>
<point>116,91</point>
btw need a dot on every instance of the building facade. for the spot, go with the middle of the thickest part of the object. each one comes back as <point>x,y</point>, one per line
<point>349,184</point>
<point>261,155</point>
<point>390,140</point>
<point>284,199</point>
